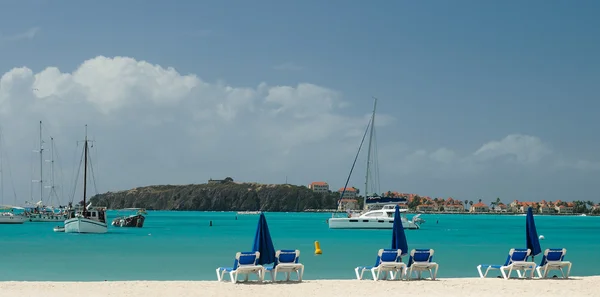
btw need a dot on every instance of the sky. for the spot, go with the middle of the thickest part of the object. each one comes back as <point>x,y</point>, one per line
<point>476,99</point>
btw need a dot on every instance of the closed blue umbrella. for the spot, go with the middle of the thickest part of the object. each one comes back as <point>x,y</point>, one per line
<point>533,241</point>
<point>263,243</point>
<point>398,236</point>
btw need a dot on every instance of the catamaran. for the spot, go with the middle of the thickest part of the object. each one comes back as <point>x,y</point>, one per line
<point>378,211</point>
<point>87,219</point>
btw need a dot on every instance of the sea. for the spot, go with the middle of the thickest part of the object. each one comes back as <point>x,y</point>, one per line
<point>191,245</point>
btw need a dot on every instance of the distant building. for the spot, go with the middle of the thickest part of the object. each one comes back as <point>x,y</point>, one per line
<point>216,181</point>
<point>479,207</point>
<point>350,193</point>
<point>348,204</point>
<point>319,187</point>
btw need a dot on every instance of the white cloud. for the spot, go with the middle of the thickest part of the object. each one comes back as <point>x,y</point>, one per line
<point>155,125</point>
<point>523,148</point>
<point>290,66</point>
<point>26,35</point>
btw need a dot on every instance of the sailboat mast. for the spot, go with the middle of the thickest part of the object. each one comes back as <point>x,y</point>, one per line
<point>41,164</point>
<point>369,154</point>
<point>85,169</point>
<point>52,166</point>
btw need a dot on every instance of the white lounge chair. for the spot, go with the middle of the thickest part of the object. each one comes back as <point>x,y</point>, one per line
<point>553,259</point>
<point>287,261</point>
<point>245,263</point>
<point>516,261</point>
<point>388,260</point>
<point>419,261</point>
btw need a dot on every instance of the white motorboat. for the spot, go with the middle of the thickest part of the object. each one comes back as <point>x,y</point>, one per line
<point>88,219</point>
<point>249,212</point>
<point>8,216</point>
<point>378,212</point>
<point>373,219</point>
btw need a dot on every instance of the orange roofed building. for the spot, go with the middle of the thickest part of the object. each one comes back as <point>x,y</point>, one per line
<point>319,187</point>
<point>350,193</point>
<point>479,207</point>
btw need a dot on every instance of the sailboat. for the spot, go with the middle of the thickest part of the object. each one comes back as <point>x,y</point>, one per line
<point>39,212</point>
<point>378,211</point>
<point>7,212</point>
<point>86,219</point>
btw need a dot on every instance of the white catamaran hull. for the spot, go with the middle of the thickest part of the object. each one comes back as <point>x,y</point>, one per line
<point>368,223</point>
<point>83,225</point>
<point>12,219</point>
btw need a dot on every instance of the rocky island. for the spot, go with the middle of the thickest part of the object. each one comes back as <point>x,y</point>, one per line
<point>219,195</point>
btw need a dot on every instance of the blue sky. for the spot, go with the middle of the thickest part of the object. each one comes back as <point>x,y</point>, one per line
<point>450,74</point>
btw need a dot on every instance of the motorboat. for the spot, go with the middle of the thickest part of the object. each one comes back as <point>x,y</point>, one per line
<point>249,212</point>
<point>134,220</point>
<point>59,229</point>
<point>8,215</point>
<point>375,219</point>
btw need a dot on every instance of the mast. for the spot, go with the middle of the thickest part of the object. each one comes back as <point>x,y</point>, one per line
<point>85,169</point>
<point>52,168</point>
<point>369,154</point>
<point>41,164</point>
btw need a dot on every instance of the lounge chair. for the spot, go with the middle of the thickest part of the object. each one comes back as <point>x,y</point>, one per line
<point>388,260</point>
<point>286,261</point>
<point>553,259</point>
<point>516,261</point>
<point>419,261</point>
<point>245,263</point>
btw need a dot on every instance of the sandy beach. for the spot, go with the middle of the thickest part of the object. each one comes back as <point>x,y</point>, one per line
<point>575,286</point>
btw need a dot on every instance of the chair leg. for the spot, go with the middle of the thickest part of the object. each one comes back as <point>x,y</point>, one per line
<point>218,274</point>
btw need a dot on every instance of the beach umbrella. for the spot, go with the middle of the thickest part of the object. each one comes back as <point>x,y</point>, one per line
<point>533,241</point>
<point>398,236</point>
<point>263,243</point>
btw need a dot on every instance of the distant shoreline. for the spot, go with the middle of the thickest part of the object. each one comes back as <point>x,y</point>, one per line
<point>408,212</point>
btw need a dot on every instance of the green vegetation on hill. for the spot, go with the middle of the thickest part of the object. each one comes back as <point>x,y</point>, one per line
<point>220,196</point>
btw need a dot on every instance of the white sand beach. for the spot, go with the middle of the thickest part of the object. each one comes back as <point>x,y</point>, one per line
<point>463,287</point>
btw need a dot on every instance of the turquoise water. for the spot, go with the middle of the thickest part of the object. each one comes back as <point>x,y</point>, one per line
<point>182,245</point>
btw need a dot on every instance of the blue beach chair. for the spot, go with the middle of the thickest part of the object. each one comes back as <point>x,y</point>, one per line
<point>553,259</point>
<point>516,261</point>
<point>286,261</point>
<point>388,260</point>
<point>421,260</point>
<point>245,263</point>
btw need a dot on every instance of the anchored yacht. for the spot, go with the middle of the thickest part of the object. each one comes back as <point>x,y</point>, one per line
<point>375,219</point>
<point>378,211</point>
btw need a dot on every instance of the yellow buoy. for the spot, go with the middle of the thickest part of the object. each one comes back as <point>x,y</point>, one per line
<point>318,250</point>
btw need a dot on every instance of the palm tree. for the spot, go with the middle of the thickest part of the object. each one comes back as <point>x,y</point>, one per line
<point>498,200</point>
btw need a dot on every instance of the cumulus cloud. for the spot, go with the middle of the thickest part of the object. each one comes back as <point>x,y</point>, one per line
<point>155,125</point>
<point>523,148</point>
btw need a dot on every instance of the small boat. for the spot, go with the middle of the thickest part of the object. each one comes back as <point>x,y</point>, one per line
<point>8,215</point>
<point>59,229</point>
<point>249,212</point>
<point>135,220</point>
<point>88,219</point>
